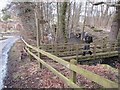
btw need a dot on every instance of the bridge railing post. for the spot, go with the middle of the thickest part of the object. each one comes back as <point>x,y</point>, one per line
<point>77,51</point>
<point>115,45</point>
<point>73,74</point>
<point>94,50</point>
<point>109,48</point>
<point>56,49</point>
<point>104,45</point>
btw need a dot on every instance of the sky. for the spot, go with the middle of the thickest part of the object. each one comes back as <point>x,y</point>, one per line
<point>3,4</point>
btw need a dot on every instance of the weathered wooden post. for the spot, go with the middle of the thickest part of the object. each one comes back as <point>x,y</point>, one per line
<point>39,20</point>
<point>53,49</point>
<point>38,41</point>
<point>115,46</point>
<point>56,49</point>
<point>77,52</point>
<point>38,31</point>
<point>30,56</point>
<point>104,45</point>
<point>73,74</point>
<point>109,48</point>
<point>94,50</point>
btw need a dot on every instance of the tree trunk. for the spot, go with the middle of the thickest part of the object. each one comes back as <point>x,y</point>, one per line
<point>115,28</point>
<point>37,25</point>
<point>82,35</point>
<point>118,44</point>
<point>58,24</point>
<point>73,16</point>
<point>115,25</point>
<point>41,18</point>
<point>62,20</point>
<point>77,16</point>
<point>68,19</point>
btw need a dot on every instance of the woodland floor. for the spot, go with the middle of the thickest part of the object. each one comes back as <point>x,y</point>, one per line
<point>27,74</point>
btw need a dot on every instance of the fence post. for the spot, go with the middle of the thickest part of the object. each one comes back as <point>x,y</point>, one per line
<point>109,49</point>
<point>104,45</point>
<point>38,37</point>
<point>30,56</point>
<point>77,52</point>
<point>94,50</point>
<point>40,64</point>
<point>56,50</point>
<point>73,74</point>
<point>115,46</point>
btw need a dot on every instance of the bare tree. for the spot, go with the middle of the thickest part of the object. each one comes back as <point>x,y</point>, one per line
<point>62,20</point>
<point>82,36</point>
<point>68,19</point>
<point>115,24</point>
<point>73,16</point>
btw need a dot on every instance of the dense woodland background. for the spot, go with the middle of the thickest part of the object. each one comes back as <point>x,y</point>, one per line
<point>65,19</point>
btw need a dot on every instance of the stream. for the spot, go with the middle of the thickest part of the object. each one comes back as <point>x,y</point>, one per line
<point>5,46</point>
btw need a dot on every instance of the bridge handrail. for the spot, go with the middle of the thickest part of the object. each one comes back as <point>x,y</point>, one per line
<point>91,76</point>
<point>78,48</point>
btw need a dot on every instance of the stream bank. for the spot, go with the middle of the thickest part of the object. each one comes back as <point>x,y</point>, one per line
<point>5,46</point>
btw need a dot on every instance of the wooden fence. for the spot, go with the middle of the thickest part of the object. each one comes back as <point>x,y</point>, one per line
<point>70,65</point>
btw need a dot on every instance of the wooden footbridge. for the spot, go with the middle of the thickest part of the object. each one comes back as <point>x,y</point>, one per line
<point>101,49</point>
<point>57,52</point>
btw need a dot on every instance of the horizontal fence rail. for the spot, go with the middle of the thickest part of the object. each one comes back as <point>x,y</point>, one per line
<point>91,76</point>
<point>66,80</point>
<point>63,50</point>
